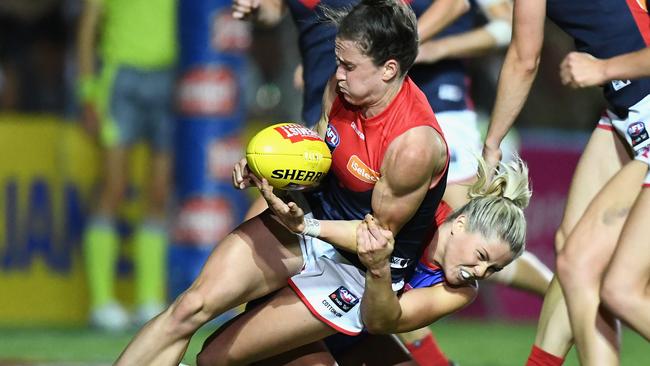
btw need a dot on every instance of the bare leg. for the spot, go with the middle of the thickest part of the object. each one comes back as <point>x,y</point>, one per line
<point>626,288</point>
<point>582,262</point>
<point>525,273</point>
<point>254,260</point>
<point>285,323</point>
<point>595,168</point>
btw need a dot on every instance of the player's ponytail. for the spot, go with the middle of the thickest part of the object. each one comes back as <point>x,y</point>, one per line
<point>496,206</point>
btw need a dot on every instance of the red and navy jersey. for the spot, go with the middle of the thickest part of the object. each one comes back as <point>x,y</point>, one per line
<point>316,45</point>
<point>607,28</point>
<point>446,83</point>
<point>427,273</point>
<point>358,147</point>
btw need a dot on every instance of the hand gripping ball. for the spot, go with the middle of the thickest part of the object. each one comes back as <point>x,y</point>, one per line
<point>289,155</point>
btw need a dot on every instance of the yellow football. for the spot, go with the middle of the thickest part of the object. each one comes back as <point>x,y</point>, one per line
<point>289,155</point>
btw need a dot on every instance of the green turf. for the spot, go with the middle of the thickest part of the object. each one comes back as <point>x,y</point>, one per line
<point>467,342</point>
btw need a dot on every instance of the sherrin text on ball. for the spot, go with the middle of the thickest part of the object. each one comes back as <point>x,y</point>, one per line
<point>289,155</point>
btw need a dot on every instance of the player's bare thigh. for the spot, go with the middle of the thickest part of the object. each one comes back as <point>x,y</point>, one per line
<point>252,261</point>
<point>280,324</point>
<point>603,156</point>
<point>629,271</point>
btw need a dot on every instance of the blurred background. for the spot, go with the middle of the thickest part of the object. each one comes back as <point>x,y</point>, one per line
<point>232,78</point>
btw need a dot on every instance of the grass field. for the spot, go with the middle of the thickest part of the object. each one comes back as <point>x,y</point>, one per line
<point>469,343</point>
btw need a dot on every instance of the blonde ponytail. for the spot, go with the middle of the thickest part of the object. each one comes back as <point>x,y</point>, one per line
<point>496,205</point>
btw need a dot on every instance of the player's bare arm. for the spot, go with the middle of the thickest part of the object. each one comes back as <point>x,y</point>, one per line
<point>517,74</point>
<point>413,162</point>
<point>495,34</point>
<point>439,15</point>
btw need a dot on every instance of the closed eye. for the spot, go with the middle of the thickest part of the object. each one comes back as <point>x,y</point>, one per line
<point>481,256</point>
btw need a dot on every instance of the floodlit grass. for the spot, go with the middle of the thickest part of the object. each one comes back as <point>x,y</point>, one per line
<point>470,343</point>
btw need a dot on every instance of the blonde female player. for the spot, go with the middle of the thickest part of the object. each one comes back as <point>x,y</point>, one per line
<point>469,244</point>
<point>388,158</point>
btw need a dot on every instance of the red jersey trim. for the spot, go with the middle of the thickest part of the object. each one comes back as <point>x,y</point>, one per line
<point>641,19</point>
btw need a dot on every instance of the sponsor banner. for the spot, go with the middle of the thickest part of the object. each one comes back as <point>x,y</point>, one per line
<point>203,221</point>
<point>223,154</point>
<point>209,90</point>
<point>47,181</point>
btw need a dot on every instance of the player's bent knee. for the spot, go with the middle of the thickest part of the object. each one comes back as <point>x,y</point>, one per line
<point>568,271</point>
<point>187,313</point>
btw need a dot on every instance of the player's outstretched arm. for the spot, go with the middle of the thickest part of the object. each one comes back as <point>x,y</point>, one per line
<point>517,74</point>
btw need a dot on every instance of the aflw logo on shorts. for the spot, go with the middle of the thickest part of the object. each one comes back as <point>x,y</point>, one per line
<point>297,133</point>
<point>637,132</point>
<point>344,299</point>
<point>360,170</point>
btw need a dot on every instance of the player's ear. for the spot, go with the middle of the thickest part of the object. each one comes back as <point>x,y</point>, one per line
<point>459,224</point>
<point>391,70</point>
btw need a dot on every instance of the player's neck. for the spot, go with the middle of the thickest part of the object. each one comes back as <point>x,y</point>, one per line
<point>385,99</point>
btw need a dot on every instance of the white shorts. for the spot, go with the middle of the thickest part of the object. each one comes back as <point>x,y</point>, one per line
<point>464,141</point>
<point>634,129</point>
<point>330,286</point>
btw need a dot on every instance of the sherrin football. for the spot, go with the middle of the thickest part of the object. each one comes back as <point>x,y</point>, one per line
<point>289,155</point>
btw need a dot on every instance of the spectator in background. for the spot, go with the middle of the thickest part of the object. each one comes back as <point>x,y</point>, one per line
<point>32,49</point>
<point>127,101</point>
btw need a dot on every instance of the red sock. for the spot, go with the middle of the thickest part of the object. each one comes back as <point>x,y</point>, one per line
<point>539,357</point>
<point>427,353</point>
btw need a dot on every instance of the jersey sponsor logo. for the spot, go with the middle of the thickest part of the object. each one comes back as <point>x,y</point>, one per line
<point>296,133</point>
<point>362,171</point>
<point>397,262</point>
<point>344,299</point>
<point>637,132</point>
<point>620,84</point>
<point>332,137</point>
<point>359,133</point>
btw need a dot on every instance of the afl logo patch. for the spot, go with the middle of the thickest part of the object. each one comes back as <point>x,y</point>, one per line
<point>332,137</point>
<point>344,299</point>
<point>637,133</point>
